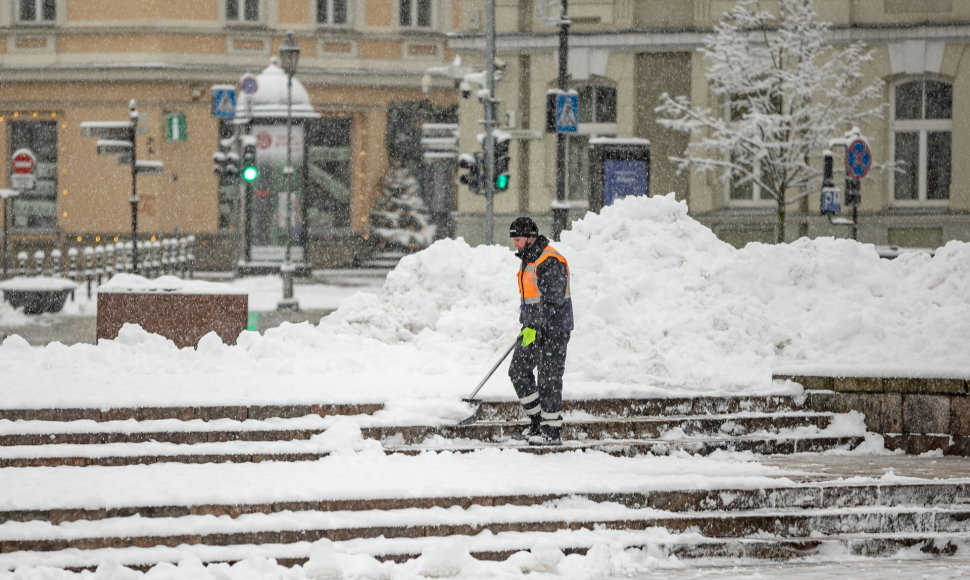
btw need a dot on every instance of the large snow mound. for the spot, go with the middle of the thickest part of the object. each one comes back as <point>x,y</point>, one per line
<point>661,301</point>
<point>662,307</point>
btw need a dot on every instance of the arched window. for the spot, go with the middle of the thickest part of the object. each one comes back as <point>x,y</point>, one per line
<point>922,141</point>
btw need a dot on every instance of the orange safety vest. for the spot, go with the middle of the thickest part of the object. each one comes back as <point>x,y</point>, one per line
<point>528,285</point>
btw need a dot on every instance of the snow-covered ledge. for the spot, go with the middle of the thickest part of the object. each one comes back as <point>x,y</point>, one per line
<point>918,414</point>
<point>181,310</point>
<point>37,294</point>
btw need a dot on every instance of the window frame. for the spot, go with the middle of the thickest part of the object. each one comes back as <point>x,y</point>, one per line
<point>329,23</point>
<point>415,12</point>
<point>39,19</point>
<point>35,195</point>
<point>922,127</point>
<point>240,17</point>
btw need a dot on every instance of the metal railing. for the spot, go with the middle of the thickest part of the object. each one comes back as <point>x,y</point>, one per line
<point>95,264</point>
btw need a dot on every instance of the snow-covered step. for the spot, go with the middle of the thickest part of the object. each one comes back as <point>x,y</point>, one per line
<point>818,495</point>
<point>537,549</point>
<point>582,427</point>
<point>242,451</point>
<point>564,514</point>
<point>652,407</point>
<point>187,413</point>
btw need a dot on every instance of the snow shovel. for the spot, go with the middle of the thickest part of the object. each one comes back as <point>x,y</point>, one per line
<point>471,400</point>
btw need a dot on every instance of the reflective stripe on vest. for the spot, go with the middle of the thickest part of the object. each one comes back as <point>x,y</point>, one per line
<point>528,285</point>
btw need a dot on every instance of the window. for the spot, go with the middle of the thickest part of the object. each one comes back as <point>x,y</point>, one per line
<point>242,10</point>
<point>415,13</point>
<point>37,11</point>
<point>922,142</point>
<point>742,191</point>
<point>332,12</point>
<point>36,208</point>
<point>597,104</point>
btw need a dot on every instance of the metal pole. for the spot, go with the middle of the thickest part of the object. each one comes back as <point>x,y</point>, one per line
<point>560,211</point>
<point>6,217</point>
<point>133,114</point>
<point>245,255</point>
<point>490,124</point>
<point>286,270</point>
<point>855,222</point>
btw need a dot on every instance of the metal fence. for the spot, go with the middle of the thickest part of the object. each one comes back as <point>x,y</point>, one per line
<point>94,264</point>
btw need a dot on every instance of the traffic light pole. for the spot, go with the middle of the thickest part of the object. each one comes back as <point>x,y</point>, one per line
<point>560,209</point>
<point>490,124</point>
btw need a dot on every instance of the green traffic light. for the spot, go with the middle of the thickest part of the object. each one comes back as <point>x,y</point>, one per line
<point>250,173</point>
<point>502,182</point>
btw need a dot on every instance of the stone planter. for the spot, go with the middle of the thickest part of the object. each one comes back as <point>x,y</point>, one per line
<point>182,311</point>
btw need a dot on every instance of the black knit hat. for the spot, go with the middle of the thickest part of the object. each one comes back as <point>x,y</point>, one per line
<point>523,227</point>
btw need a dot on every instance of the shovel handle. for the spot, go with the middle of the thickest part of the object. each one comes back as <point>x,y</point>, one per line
<point>492,371</point>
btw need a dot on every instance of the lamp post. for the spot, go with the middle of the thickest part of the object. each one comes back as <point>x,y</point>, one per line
<point>6,194</point>
<point>289,59</point>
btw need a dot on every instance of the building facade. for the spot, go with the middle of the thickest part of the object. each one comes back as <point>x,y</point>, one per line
<point>63,63</point>
<point>623,54</point>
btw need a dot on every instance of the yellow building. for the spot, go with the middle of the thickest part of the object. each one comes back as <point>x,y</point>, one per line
<point>63,63</point>
<point>624,53</point>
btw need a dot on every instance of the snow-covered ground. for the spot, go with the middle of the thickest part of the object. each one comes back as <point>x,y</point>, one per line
<point>663,308</point>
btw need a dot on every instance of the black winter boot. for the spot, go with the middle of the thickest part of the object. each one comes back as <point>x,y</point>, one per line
<point>533,429</point>
<point>547,436</point>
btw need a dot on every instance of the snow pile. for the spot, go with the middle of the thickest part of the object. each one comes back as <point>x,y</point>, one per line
<point>662,308</point>
<point>661,301</point>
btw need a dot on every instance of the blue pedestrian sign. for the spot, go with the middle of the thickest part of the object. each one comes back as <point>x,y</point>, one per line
<point>223,102</point>
<point>567,113</point>
<point>858,159</point>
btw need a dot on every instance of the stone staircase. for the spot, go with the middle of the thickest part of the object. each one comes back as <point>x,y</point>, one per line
<point>815,514</point>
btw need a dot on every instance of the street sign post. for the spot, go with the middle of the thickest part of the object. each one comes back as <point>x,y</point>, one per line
<point>118,138</point>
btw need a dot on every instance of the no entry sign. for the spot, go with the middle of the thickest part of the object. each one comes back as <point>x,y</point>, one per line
<point>24,165</point>
<point>24,162</point>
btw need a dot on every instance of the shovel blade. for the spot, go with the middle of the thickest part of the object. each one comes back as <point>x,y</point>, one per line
<point>477,404</point>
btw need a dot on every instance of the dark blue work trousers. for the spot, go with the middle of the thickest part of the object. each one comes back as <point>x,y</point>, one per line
<point>548,355</point>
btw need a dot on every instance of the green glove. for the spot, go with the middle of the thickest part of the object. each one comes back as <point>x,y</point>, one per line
<point>528,336</point>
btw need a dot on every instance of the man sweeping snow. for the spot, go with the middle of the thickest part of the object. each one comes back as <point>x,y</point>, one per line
<point>546,315</point>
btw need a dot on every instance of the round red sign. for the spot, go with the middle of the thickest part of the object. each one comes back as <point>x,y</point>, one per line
<point>24,162</point>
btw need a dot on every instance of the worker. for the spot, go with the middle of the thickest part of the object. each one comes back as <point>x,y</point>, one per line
<point>546,315</point>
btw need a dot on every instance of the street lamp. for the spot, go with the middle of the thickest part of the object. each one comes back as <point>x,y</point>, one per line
<point>289,59</point>
<point>6,194</point>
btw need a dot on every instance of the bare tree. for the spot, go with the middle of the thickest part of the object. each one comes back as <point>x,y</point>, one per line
<point>783,91</point>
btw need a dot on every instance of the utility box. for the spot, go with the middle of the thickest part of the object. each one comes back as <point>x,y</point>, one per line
<point>182,311</point>
<point>618,168</point>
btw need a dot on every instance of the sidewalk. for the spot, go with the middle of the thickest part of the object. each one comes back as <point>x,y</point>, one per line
<point>318,297</point>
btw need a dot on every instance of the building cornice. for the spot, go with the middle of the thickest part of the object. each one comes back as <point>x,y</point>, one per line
<point>687,40</point>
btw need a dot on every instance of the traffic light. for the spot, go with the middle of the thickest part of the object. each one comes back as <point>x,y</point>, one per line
<point>250,171</point>
<point>473,165</point>
<point>502,141</point>
<point>226,159</point>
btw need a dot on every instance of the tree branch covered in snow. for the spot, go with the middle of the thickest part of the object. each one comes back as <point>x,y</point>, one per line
<point>782,93</point>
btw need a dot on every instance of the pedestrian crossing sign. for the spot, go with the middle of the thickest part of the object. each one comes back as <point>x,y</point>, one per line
<point>224,102</point>
<point>567,113</point>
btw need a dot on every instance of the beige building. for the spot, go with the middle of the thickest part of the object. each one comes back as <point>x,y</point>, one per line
<point>625,53</point>
<point>65,62</point>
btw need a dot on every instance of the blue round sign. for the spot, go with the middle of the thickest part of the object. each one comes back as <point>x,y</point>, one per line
<point>248,84</point>
<point>858,159</point>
